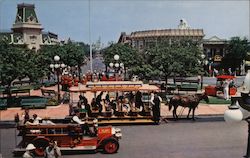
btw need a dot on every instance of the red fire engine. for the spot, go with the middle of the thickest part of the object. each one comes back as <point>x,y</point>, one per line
<point>69,138</point>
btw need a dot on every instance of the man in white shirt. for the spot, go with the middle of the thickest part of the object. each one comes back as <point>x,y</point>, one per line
<point>156,103</point>
<point>84,125</point>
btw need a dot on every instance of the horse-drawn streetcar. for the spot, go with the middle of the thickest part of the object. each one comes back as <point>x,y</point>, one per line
<point>118,102</point>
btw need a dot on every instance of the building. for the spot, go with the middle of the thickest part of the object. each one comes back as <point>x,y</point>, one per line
<point>214,48</point>
<point>27,30</point>
<point>143,39</point>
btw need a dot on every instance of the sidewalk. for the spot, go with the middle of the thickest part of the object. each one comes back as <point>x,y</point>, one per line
<point>60,111</point>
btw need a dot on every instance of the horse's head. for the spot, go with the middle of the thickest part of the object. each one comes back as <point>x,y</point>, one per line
<point>204,97</point>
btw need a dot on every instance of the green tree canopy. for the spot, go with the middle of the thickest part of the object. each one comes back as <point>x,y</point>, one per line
<point>182,58</point>
<point>71,54</point>
<point>18,62</point>
<point>236,52</point>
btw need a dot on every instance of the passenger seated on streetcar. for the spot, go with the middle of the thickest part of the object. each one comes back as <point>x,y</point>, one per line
<point>82,101</point>
<point>47,121</point>
<point>126,105</point>
<point>98,102</point>
<point>94,105</point>
<point>113,106</point>
<point>84,125</point>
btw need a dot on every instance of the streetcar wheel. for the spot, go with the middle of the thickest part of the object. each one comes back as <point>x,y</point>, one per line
<point>110,146</point>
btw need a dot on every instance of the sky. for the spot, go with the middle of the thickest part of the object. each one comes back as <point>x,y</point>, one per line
<point>89,20</point>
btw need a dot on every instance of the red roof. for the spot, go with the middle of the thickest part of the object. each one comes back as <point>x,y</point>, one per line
<point>225,77</point>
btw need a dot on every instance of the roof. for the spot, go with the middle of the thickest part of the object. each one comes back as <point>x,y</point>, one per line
<point>26,5</point>
<point>114,83</point>
<point>114,86</point>
<point>168,32</point>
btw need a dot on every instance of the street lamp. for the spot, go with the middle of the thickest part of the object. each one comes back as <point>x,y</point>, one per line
<point>56,66</point>
<point>117,66</point>
<point>203,63</point>
<point>237,112</point>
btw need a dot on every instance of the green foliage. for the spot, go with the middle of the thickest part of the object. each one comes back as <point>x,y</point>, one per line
<point>18,62</point>
<point>13,64</point>
<point>236,52</point>
<point>181,58</point>
<point>71,54</point>
<point>160,60</point>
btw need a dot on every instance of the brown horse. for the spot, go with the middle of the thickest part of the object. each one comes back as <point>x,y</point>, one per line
<point>191,101</point>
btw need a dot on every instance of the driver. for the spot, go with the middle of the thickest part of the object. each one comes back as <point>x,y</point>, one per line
<point>84,125</point>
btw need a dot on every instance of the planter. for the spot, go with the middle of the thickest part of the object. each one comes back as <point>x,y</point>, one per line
<point>232,91</point>
<point>210,90</point>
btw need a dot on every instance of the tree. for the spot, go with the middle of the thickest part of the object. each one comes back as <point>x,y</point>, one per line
<point>182,58</point>
<point>71,54</point>
<point>74,56</point>
<point>17,62</point>
<point>236,52</point>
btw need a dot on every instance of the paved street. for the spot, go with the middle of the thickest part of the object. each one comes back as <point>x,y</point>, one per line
<point>205,138</point>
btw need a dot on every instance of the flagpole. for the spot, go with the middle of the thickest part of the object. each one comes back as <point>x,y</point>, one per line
<point>90,44</point>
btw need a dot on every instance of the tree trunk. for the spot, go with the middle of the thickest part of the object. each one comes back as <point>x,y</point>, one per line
<point>166,79</point>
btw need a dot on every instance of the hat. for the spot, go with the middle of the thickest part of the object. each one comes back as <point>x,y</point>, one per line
<point>30,147</point>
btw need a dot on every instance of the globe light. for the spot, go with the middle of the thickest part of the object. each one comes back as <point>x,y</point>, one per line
<point>57,66</point>
<point>63,65</point>
<point>203,56</point>
<point>121,64</point>
<point>116,57</point>
<point>233,114</point>
<point>206,62</point>
<point>245,113</point>
<point>51,66</point>
<point>116,65</point>
<point>56,58</point>
<point>111,64</point>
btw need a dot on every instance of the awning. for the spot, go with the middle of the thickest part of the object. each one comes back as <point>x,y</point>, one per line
<point>225,77</point>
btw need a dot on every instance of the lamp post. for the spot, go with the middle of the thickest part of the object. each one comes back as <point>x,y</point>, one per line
<point>117,66</point>
<point>236,113</point>
<point>56,66</point>
<point>203,63</point>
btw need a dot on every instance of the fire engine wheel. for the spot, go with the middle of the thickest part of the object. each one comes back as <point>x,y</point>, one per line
<point>110,146</point>
<point>40,144</point>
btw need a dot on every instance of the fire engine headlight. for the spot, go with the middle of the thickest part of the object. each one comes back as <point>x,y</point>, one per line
<point>117,130</point>
<point>118,135</point>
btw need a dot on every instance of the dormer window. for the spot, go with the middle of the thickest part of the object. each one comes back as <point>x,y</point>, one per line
<point>31,19</point>
<point>33,39</point>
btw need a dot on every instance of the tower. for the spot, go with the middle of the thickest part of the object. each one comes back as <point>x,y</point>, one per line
<point>27,24</point>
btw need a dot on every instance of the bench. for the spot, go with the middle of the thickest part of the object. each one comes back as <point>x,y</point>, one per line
<point>34,103</point>
<point>16,91</point>
<point>49,84</point>
<point>188,87</point>
<point>3,104</point>
<point>20,83</point>
<point>171,87</point>
<point>48,93</point>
